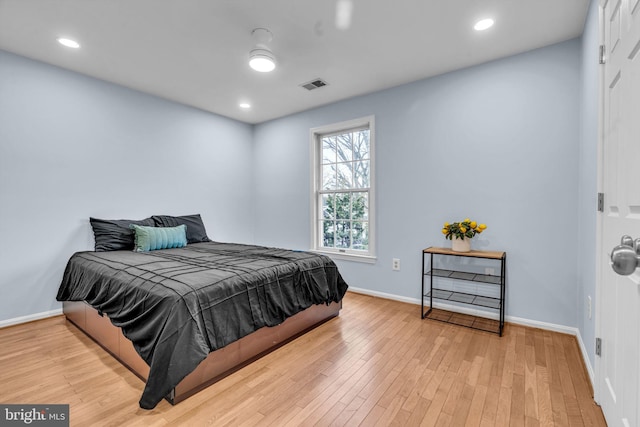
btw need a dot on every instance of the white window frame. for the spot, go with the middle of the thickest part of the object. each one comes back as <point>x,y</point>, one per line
<point>316,208</point>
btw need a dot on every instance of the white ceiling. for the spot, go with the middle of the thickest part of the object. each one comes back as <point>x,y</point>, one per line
<point>196,51</point>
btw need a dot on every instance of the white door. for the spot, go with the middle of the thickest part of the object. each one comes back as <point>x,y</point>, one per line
<point>618,369</point>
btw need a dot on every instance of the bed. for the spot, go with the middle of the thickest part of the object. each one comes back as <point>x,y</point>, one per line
<point>182,318</point>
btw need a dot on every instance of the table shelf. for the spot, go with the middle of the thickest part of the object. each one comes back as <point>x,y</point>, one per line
<point>461,275</point>
<point>465,298</point>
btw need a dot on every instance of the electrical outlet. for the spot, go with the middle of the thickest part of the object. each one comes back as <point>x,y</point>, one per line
<point>395,264</point>
<point>589,306</point>
<point>489,271</point>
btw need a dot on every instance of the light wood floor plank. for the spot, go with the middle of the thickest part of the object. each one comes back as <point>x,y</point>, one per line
<point>378,363</point>
<point>477,405</point>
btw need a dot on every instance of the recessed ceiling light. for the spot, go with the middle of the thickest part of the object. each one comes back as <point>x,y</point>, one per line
<point>483,24</point>
<point>68,42</point>
<point>245,105</point>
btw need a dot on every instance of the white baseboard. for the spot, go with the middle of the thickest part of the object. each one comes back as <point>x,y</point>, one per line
<point>511,319</point>
<point>542,325</point>
<point>30,318</point>
<point>384,295</point>
<point>587,361</point>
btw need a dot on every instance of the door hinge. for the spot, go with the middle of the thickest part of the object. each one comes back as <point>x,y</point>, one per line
<point>601,55</point>
<point>600,202</point>
<point>598,347</point>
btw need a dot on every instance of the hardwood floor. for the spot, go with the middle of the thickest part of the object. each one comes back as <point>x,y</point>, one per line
<point>376,364</point>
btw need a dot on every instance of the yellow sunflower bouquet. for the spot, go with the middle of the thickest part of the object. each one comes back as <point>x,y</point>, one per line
<point>462,229</point>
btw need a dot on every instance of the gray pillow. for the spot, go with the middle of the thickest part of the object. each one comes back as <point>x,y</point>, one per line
<point>115,234</point>
<point>196,232</point>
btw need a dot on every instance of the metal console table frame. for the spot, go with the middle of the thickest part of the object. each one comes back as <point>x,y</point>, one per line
<point>464,297</point>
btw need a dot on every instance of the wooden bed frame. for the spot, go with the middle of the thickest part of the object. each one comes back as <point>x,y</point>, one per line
<point>218,364</point>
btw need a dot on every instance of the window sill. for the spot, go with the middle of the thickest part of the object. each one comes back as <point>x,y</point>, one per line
<point>367,259</point>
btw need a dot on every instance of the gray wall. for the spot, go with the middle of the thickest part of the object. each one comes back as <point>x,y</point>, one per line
<point>587,182</point>
<point>73,147</point>
<point>496,142</point>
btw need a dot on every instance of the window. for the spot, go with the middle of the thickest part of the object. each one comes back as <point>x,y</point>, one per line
<point>343,196</point>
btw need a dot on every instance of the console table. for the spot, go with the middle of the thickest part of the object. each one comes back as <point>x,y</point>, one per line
<point>432,292</point>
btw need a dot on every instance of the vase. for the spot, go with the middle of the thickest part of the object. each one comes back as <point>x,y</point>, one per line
<point>460,245</point>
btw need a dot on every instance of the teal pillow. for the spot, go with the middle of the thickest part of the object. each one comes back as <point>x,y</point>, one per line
<point>153,238</point>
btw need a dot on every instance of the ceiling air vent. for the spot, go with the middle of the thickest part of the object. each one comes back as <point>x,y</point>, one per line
<point>314,84</point>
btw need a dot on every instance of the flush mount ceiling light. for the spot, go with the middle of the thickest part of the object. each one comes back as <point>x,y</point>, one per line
<point>260,58</point>
<point>483,24</point>
<point>245,105</point>
<point>68,42</point>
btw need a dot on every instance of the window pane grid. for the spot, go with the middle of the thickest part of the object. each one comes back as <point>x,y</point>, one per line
<point>344,220</point>
<point>342,234</point>
<point>343,192</point>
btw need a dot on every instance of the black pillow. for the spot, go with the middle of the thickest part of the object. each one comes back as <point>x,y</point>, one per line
<point>196,232</point>
<point>115,234</point>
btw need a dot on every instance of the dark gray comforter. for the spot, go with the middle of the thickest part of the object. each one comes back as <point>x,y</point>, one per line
<point>177,305</point>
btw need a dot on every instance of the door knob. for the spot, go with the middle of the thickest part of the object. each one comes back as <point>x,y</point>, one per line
<point>625,258</point>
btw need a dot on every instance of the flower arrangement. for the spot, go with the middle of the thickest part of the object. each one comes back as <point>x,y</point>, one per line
<point>462,229</point>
